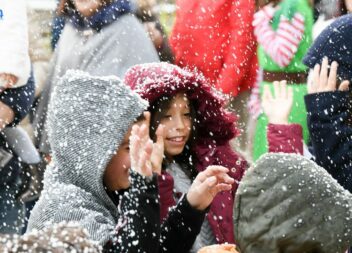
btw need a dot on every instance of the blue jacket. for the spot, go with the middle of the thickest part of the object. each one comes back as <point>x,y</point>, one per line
<point>329,124</point>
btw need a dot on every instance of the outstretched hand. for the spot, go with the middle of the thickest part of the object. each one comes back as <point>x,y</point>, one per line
<point>278,107</point>
<point>325,81</point>
<point>207,184</point>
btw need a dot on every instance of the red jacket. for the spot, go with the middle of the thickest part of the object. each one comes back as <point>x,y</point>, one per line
<point>215,128</point>
<point>216,37</point>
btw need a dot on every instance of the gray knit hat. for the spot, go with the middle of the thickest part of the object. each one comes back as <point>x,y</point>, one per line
<point>287,203</point>
<point>88,118</point>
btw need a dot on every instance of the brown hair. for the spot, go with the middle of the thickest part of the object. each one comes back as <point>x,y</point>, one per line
<point>158,110</point>
<point>65,5</point>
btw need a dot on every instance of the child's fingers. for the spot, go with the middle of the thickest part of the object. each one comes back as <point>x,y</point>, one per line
<point>210,182</point>
<point>134,142</point>
<point>316,78</point>
<point>143,132</point>
<point>160,132</point>
<point>222,187</point>
<point>267,96</point>
<point>344,86</point>
<point>324,74</point>
<point>147,120</point>
<point>141,168</point>
<point>144,163</point>
<point>211,171</point>
<point>277,89</point>
<point>224,178</point>
<point>331,85</point>
<point>284,88</point>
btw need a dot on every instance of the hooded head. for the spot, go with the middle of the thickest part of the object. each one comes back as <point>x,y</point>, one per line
<point>155,81</point>
<point>287,203</point>
<point>58,238</point>
<point>335,43</point>
<point>87,120</point>
<point>214,127</point>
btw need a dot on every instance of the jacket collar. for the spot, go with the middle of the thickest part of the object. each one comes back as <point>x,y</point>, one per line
<point>105,16</point>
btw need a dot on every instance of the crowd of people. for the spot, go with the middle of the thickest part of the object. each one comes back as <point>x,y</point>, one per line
<point>230,134</point>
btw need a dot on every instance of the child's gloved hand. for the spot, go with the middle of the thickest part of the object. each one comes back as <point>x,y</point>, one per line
<point>207,184</point>
<point>322,81</point>
<point>277,107</point>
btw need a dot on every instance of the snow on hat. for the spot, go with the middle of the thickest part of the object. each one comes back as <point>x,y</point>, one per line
<point>88,118</point>
<point>155,80</point>
<point>287,203</point>
<point>335,42</point>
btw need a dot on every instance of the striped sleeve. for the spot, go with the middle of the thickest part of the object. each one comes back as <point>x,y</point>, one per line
<point>282,44</point>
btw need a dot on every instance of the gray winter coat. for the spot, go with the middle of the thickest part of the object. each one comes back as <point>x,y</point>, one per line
<point>288,204</point>
<point>88,118</point>
<point>111,51</point>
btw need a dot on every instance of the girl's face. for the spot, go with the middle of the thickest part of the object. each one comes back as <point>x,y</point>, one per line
<point>178,123</point>
<point>87,7</point>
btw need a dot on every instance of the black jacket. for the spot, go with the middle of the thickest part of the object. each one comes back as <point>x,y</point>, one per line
<point>329,116</point>
<point>141,216</point>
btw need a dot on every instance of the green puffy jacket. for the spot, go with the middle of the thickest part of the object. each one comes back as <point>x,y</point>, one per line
<point>287,204</point>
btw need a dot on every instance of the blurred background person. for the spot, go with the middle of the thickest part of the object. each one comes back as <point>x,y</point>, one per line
<point>217,38</point>
<point>284,33</point>
<point>100,37</point>
<point>16,98</point>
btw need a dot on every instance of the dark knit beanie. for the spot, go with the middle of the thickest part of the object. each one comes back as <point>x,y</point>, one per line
<point>335,42</point>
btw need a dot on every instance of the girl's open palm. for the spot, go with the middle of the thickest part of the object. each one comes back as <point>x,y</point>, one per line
<point>278,106</point>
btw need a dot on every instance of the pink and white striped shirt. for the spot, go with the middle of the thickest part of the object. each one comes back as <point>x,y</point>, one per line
<point>282,44</point>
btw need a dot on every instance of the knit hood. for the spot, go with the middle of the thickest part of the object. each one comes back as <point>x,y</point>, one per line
<point>88,118</point>
<point>287,203</point>
<point>334,42</point>
<point>154,80</point>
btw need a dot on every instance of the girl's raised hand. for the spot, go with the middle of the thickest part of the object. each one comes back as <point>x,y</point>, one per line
<point>278,106</point>
<point>207,184</point>
<point>145,154</point>
<point>141,150</point>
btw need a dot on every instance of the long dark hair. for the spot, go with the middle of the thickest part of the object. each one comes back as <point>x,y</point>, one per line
<point>187,158</point>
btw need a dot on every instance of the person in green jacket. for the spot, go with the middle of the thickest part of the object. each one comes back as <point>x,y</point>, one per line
<point>284,34</point>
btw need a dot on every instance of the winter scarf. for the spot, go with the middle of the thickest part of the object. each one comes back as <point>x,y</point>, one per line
<point>287,203</point>
<point>215,128</point>
<point>87,120</point>
<point>105,16</point>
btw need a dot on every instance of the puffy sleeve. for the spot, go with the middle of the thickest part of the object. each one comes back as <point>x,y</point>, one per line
<point>282,44</point>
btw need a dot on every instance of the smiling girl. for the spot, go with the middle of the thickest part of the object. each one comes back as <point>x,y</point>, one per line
<point>197,131</point>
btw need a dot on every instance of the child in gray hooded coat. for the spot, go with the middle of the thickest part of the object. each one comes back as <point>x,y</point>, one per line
<point>89,180</point>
